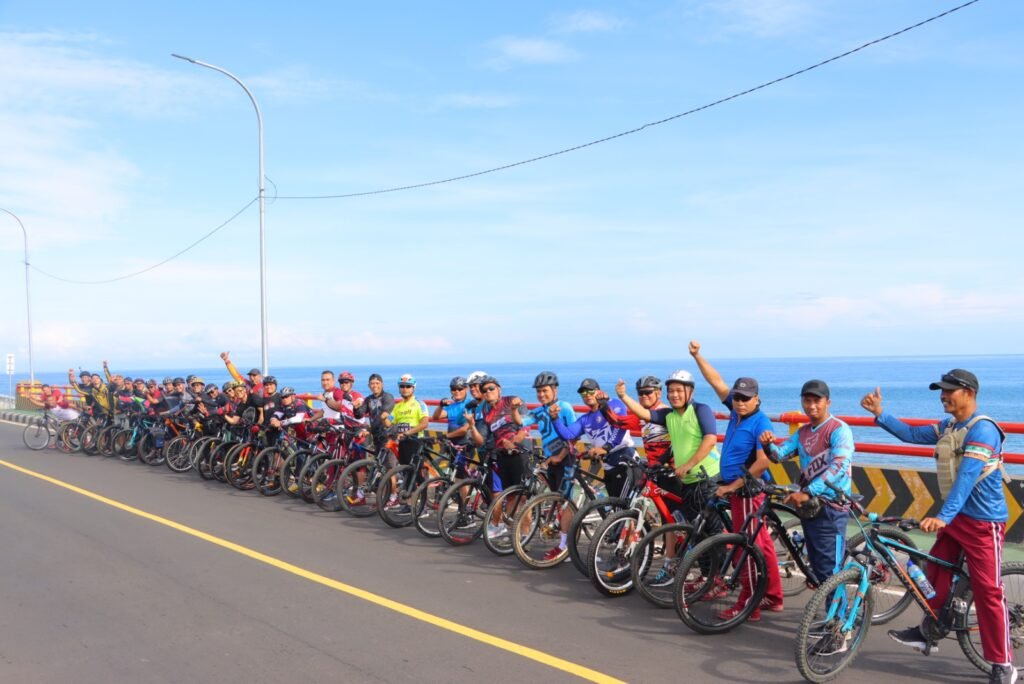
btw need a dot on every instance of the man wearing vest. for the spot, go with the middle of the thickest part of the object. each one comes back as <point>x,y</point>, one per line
<point>973,515</point>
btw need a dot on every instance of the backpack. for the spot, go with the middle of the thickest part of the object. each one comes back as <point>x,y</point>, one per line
<point>949,452</point>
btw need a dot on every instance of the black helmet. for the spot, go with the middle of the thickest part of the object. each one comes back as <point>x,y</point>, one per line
<point>168,380</point>
<point>269,380</point>
<point>227,385</point>
<point>648,382</point>
<point>489,379</point>
<point>544,379</point>
<point>287,392</point>
<point>458,382</point>
<point>179,381</point>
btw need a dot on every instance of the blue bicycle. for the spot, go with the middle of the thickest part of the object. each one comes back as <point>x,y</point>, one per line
<point>837,617</point>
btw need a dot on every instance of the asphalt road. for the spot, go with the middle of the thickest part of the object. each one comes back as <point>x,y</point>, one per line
<point>95,593</point>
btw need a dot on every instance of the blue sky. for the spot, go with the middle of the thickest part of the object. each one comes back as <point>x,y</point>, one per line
<point>872,206</point>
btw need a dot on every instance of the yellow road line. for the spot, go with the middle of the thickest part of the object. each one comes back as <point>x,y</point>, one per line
<point>462,630</point>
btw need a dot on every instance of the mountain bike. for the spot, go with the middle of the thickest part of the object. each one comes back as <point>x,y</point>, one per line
<point>39,433</point>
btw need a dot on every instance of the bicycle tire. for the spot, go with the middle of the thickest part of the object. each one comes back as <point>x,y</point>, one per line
<point>36,435</point>
<point>348,487</point>
<point>611,553</point>
<point>1013,591</point>
<point>647,560</point>
<point>306,474</point>
<point>585,523</point>
<point>69,436</point>
<point>891,597</point>
<point>400,514</point>
<point>203,460</point>
<point>238,466</point>
<point>217,458</point>
<point>154,455</point>
<point>290,470</point>
<point>794,581</point>
<point>501,544</point>
<point>462,511</point>
<point>176,455</point>
<point>105,440</point>
<point>322,484</point>
<point>426,500</point>
<point>88,439</point>
<point>700,603</point>
<point>538,528</point>
<point>815,628</point>
<point>266,478</point>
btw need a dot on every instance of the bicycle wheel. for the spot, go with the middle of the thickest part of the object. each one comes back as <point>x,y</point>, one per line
<point>891,597</point>
<point>425,504</point>
<point>69,436</point>
<point>1012,575</point>
<point>37,434</point>
<point>309,468</point>
<point>653,566</point>
<point>708,588</point>
<point>266,471</point>
<point>149,452</point>
<point>835,622</point>
<point>794,581</point>
<point>289,475</point>
<point>584,525</point>
<point>238,466</point>
<point>353,488</point>
<point>462,511</point>
<point>611,551</point>
<point>87,441</point>
<point>105,440</point>
<point>176,454</point>
<point>203,459</point>
<point>322,484</point>
<point>537,531</point>
<point>504,508</point>
<point>400,481</point>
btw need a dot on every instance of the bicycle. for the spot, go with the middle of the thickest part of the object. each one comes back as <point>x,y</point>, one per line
<point>834,625</point>
<point>425,501</point>
<point>38,434</point>
<point>356,487</point>
<point>403,482</point>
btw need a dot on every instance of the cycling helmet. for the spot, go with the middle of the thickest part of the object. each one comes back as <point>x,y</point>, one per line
<point>485,379</point>
<point>344,376</point>
<point>474,377</point>
<point>230,384</point>
<point>212,388</point>
<point>127,379</point>
<point>168,380</point>
<point>407,379</point>
<point>287,392</point>
<point>189,378</point>
<point>648,382</point>
<point>270,380</point>
<point>681,376</point>
<point>179,381</point>
<point>544,379</point>
<point>458,382</point>
<point>196,380</point>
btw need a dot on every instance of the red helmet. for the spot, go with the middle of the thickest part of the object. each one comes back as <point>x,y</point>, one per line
<point>346,376</point>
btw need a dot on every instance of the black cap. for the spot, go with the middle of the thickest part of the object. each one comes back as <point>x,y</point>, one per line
<point>254,371</point>
<point>589,384</point>
<point>745,387</point>
<point>179,381</point>
<point>957,378</point>
<point>816,387</point>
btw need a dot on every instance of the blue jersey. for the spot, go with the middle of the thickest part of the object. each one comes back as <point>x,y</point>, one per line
<point>981,500</point>
<point>741,441</point>
<point>826,454</point>
<point>549,438</point>
<point>456,412</point>
<point>597,429</point>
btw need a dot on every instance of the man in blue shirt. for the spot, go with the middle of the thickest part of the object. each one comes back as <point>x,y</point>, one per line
<point>973,516</point>
<point>742,449</point>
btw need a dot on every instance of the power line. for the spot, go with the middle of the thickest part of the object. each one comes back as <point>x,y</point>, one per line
<point>637,129</point>
<point>156,265</point>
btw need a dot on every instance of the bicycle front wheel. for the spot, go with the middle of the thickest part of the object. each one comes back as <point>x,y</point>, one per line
<point>537,531</point>
<point>891,597</point>
<point>425,504</point>
<point>323,484</point>
<point>584,525</point>
<point>612,550</point>
<point>354,488</point>
<point>719,584</point>
<point>37,435</point>
<point>654,565</point>
<point>835,622</point>
<point>462,511</point>
<point>505,507</point>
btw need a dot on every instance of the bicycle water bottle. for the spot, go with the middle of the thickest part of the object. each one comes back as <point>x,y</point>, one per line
<point>920,580</point>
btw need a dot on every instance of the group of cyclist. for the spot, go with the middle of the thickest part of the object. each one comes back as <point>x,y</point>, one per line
<point>680,437</point>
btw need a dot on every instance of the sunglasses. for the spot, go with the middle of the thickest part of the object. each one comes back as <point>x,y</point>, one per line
<point>489,388</point>
<point>347,382</point>
<point>406,386</point>
<point>645,393</point>
<point>740,398</point>
<point>587,393</point>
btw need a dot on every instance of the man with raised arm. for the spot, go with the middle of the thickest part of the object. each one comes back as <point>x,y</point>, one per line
<point>742,449</point>
<point>973,515</point>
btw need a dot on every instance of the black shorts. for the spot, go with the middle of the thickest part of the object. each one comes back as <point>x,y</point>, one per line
<point>511,468</point>
<point>407,448</point>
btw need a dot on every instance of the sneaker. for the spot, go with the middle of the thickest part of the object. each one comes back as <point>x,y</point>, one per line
<point>392,501</point>
<point>553,554</point>
<point>719,590</point>
<point>329,497</point>
<point>664,578</point>
<point>357,499</point>
<point>911,637</point>
<point>293,487</point>
<point>731,613</point>
<point>771,605</point>
<point>1003,674</point>
<point>497,531</point>
<point>831,644</point>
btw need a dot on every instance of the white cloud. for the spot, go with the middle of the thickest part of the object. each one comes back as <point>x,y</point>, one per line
<point>587,21</point>
<point>765,18</point>
<point>511,50</point>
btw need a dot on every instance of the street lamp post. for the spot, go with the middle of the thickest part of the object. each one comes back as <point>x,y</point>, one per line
<point>263,254</point>
<point>28,297</point>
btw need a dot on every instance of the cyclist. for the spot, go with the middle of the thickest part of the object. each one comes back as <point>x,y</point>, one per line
<point>373,408</point>
<point>500,432</point>
<point>52,399</point>
<point>825,449</point>
<point>453,410</point>
<point>559,458</point>
<point>102,402</point>
<point>742,449</point>
<point>690,430</point>
<point>289,411</point>
<point>254,377</point>
<point>973,516</point>
<point>350,397</point>
<point>409,417</point>
<point>611,443</point>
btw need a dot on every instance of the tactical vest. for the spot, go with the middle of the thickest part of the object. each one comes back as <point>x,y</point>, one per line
<point>949,452</point>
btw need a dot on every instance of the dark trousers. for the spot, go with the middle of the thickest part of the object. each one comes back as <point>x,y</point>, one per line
<point>825,537</point>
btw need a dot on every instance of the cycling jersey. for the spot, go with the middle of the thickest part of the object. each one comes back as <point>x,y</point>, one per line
<point>826,454</point>
<point>54,399</point>
<point>595,426</point>
<point>407,414</point>
<point>686,431</point>
<point>456,412</point>
<point>742,440</point>
<point>500,424</point>
<point>550,441</point>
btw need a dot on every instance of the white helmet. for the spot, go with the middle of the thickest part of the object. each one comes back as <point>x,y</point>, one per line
<point>681,376</point>
<point>475,377</point>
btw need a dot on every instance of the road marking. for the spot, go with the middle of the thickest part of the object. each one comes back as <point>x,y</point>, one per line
<point>409,611</point>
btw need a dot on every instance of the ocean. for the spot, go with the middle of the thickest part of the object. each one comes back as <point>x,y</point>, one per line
<point>903,382</point>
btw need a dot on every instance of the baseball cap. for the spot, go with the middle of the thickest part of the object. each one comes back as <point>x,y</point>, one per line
<point>589,384</point>
<point>746,387</point>
<point>816,387</point>
<point>958,378</point>
<point>254,371</point>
